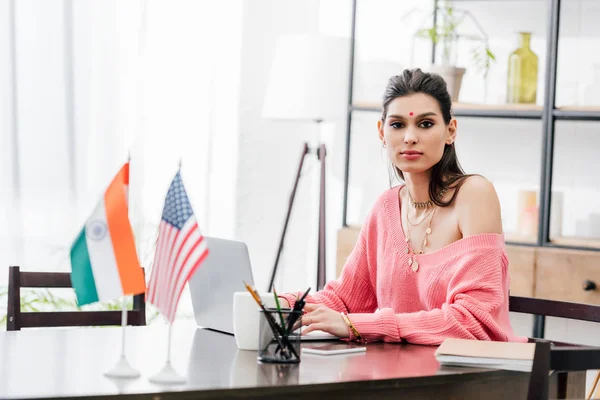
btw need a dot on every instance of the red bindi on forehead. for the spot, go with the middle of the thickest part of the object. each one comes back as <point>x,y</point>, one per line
<point>410,113</point>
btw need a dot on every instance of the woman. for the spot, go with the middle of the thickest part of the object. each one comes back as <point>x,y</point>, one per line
<point>430,260</point>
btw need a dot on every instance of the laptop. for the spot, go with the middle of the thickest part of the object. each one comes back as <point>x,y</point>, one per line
<point>213,284</point>
<point>221,275</point>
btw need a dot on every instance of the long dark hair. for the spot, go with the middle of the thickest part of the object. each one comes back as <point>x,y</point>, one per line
<point>447,173</point>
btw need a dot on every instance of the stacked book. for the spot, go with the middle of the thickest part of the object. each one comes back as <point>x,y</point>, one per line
<point>486,354</point>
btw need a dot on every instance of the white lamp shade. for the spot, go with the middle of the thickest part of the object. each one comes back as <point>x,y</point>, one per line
<point>308,79</point>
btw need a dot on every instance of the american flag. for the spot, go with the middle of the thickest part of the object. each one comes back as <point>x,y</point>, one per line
<point>180,249</point>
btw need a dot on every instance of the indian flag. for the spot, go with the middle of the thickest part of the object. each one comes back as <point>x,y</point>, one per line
<point>104,262</point>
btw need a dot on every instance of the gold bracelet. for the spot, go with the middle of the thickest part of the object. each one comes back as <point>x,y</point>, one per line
<point>352,328</point>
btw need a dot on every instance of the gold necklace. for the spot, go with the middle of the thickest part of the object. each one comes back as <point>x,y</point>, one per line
<point>422,219</point>
<point>425,204</point>
<point>412,258</point>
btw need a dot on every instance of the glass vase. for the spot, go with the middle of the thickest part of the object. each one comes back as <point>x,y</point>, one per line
<point>522,72</point>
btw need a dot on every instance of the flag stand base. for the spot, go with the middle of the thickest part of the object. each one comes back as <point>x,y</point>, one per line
<point>168,375</point>
<point>122,370</point>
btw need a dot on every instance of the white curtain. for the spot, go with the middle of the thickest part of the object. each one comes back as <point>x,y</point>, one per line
<point>84,85</point>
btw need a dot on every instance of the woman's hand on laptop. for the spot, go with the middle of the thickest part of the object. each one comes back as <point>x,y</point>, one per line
<point>321,318</point>
<point>284,303</point>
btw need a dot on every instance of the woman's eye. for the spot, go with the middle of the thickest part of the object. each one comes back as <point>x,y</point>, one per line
<point>426,124</point>
<point>396,125</point>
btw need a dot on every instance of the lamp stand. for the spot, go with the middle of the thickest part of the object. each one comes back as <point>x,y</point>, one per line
<point>321,153</point>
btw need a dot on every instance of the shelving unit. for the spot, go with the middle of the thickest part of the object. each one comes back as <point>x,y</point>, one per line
<point>548,114</point>
<point>577,113</point>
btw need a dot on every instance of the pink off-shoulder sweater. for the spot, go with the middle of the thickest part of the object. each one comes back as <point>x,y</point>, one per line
<point>459,291</point>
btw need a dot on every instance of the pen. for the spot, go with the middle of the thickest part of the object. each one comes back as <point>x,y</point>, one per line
<point>296,312</point>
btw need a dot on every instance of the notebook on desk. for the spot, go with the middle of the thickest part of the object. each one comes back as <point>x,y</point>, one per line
<point>486,354</point>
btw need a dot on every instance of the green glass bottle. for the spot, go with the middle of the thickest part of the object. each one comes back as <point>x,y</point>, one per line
<point>522,73</point>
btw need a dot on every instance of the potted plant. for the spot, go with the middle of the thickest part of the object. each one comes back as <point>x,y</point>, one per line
<point>446,34</point>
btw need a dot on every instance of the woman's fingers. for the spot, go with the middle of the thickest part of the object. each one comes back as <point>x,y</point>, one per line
<point>309,319</point>
<point>314,327</point>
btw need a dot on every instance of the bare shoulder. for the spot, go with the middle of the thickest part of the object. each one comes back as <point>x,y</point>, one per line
<point>478,207</point>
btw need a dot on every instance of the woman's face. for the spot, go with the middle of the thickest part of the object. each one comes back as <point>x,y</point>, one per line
<point>414,132</point>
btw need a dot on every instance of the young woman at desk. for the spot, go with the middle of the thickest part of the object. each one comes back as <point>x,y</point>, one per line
<point>430,260</point>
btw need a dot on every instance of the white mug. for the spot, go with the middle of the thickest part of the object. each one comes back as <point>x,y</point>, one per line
<point>246,318</point>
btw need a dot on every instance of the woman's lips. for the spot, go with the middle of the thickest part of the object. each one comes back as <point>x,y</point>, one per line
<point>411,155</point>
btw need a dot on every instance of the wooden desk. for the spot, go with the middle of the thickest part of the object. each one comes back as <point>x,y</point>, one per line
<point>58,363</point>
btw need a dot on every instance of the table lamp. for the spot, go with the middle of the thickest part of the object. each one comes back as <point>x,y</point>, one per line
<point>308,84</point>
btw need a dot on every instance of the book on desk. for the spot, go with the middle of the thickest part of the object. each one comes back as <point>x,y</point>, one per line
<point>486,354</point>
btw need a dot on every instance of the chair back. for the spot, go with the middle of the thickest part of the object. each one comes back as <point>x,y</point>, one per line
<point>538,382</point>
<point>553,308</point>
<point>556,356</point>
<point>17,319</point>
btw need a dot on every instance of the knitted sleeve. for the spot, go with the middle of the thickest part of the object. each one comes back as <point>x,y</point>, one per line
<point>476,295</point>
<point>352,291</point>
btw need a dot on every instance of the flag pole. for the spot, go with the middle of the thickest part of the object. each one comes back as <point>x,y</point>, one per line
<point>168,375</point>
<point>168,306</point>
<point>123,369</point>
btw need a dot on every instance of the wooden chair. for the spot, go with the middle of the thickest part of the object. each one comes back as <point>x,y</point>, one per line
<point>17,319</point>
<point>550,357</point>
<point>557,356</point>
<point>553,308</point>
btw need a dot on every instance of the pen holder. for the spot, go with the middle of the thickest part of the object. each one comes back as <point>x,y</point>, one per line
<point>277,344</point>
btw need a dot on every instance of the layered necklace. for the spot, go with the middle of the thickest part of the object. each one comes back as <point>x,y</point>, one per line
<point>425,204</point>
<point>412,259</point>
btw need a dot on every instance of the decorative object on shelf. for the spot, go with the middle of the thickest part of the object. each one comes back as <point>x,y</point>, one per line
<point>522,72</point>
<point>453,77</point>
<point>588,228</point>
<point>528,213</point>
<point>594,227</point>
<point>556,211</point>
<point>307,84</point>
<point>447,34</point>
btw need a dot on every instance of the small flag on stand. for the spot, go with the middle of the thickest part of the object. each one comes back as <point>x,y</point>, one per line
<point>180,249</point>
<point>104,262</point>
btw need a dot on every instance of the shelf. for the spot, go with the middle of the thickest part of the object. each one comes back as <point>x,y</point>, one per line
<point>373,107</point>
<point>575,242</point>
<point>578,113</point>
<point>526,111</point>
<point>523,111</point>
